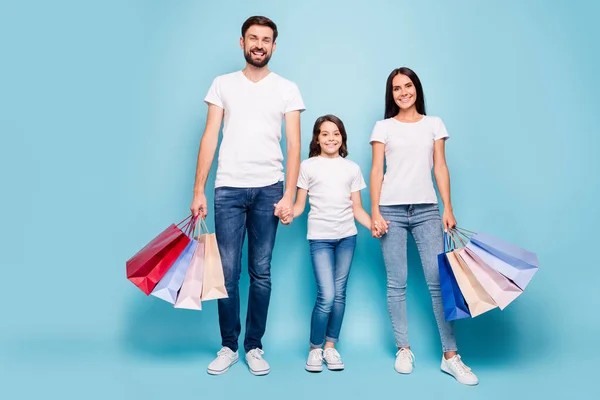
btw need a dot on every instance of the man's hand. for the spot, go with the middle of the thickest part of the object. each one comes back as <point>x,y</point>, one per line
<point>284,210</point>
<point>199,206</point>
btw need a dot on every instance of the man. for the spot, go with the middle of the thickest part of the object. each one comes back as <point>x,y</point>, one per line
<point>249,183</point>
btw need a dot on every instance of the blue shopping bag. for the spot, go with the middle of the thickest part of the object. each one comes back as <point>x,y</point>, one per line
<point>512,261</point>
<point>168,287</point>
<point>453,301</point>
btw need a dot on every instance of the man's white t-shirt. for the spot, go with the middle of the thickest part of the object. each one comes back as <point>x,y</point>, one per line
<point>329,182</point>
<point>409,159</point>
<point>250,153</point>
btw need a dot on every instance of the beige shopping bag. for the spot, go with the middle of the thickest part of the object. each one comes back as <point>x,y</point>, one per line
<point>213,285</point>
<point>476,297</point>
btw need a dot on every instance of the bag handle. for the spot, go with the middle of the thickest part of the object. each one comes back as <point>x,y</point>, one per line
<point>454,241</point>
<point>204,227</point>
<point>190,217</point>
<point>191,226</point>
<point>464,232</point>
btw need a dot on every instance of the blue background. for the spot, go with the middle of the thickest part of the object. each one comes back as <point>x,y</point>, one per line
<point>101,114</point>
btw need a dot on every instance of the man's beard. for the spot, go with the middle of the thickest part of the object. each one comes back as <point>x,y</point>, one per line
<point>257,64</point>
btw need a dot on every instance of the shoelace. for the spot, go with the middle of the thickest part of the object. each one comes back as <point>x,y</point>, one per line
<point>407,354</point>
<point>332,355</point>
<point>316,354</point>
<point>460,366</point>
<point>256,354</point>
<point>224,352</point>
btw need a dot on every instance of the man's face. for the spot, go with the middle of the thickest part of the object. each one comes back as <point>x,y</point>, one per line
<point>258,45</point>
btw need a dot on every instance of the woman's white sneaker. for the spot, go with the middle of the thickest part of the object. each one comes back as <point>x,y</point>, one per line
<point>459,370</point>
<point>333,359</point>
<point>315,361</point>
<point>225,359</point>
<point>405,361</point>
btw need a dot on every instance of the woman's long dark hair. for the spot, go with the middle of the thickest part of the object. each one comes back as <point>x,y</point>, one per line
<point>315,149</point>
<point>391,108</point>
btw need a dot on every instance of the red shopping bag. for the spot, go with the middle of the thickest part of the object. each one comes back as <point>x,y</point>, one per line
<point>151,263</point>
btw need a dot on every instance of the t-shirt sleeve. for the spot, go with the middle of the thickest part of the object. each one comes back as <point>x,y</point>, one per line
<point>358,182</point>
<point>302,177</point>
<point>378,134</point>
<point>214,94</point>
<point>440,130</point>
<point>294,101</point>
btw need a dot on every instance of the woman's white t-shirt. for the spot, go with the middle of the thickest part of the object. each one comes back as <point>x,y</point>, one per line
<point>329,182</point>
<point>409,159</point>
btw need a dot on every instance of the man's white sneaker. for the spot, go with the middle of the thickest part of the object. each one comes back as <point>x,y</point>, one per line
<point>257,364</point>
<point>405,361</point>
<point>459,370</point>
<point>333,359</point>
<point>315,361</point>
<point>225,359</point>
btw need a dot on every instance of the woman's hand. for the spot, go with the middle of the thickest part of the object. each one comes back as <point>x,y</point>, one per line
<point>448,220</point>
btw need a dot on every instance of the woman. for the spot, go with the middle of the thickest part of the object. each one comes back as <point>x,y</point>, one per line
<point>412,143</point>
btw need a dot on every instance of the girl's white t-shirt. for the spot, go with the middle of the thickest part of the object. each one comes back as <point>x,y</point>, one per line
<point>329,182</point>
<point>409,159</point>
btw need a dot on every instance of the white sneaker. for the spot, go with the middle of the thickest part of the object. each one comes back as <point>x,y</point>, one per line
<point>333,359</point>
<point>315,361</point>
<point>225,359</point>
<point>459,370</point>
<point>405,360</point>
<point>257,364</point>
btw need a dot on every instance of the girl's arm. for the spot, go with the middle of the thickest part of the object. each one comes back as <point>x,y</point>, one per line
<point>442,179</point>
<point>300,203</point>
<point>285,214</point>
<point>359,212</point>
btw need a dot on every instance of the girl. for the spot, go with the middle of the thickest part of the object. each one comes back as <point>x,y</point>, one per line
<point>412,143</point>
<point>333,184</point>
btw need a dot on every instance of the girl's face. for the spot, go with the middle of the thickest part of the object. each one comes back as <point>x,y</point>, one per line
<point>330,140</point>
<point>405,93</point>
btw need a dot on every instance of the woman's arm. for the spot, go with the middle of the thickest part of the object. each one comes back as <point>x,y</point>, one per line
<point>442,179</point>
<point>378,223</point>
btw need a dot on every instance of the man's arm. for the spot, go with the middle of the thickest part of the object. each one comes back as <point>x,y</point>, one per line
<point>292,165</point>
<point>206,154</point>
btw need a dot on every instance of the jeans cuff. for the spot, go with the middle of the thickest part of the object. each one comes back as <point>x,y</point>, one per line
<point>448,349</point>
<point>330,339</point>
<point>316,346</point>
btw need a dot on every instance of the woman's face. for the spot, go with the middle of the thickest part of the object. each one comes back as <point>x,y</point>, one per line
<point>404,92</point>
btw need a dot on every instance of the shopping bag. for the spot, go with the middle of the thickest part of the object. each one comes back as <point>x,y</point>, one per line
<point>147,267</point>
<point>516,263</point>
<point>189,295</point>
<point>452,298</point>
<point>477,299</point>
<point>213,284</point>
<point>499,287</point>
<point>168,287</point>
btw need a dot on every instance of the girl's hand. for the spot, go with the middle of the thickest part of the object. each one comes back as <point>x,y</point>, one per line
<point>379,226</point>
<point>285,214</point>
<point>448,220</point>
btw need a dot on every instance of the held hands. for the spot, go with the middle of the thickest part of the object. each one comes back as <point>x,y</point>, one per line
<point>284,210</point>
<point>379,226</point>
